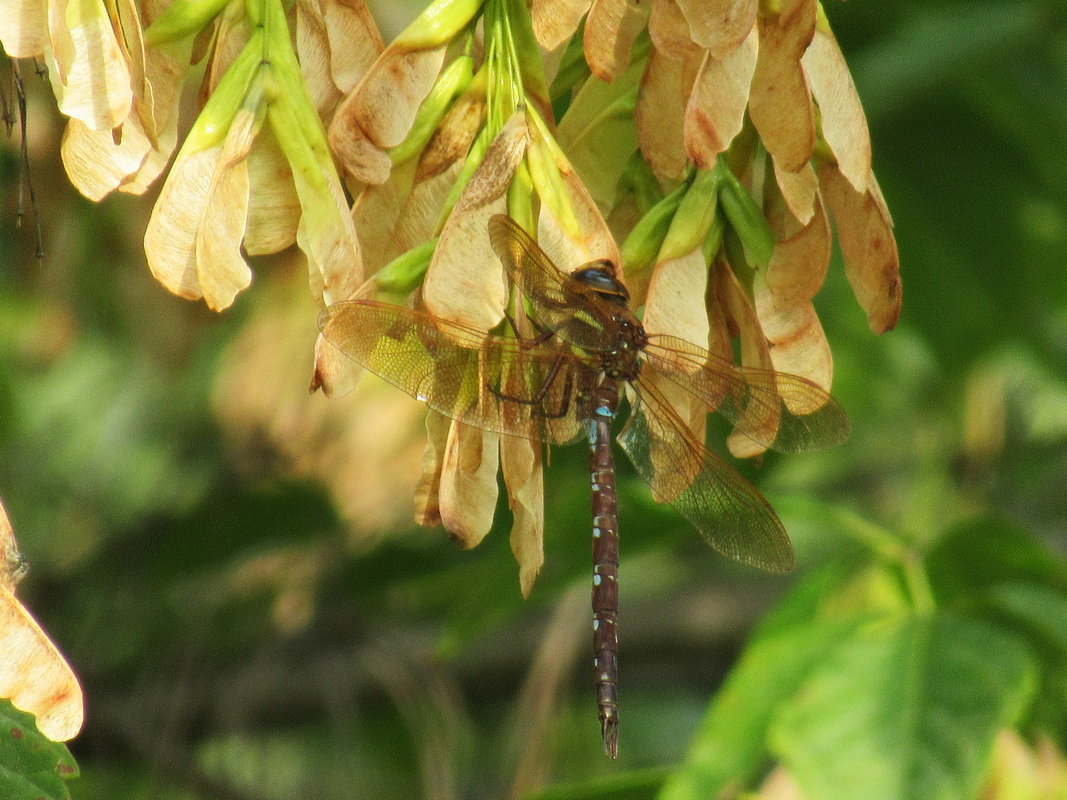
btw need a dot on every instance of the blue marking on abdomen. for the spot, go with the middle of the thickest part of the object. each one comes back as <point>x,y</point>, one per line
<point>591,431</point>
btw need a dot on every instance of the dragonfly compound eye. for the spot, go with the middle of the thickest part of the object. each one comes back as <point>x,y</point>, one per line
<point>600,277</point>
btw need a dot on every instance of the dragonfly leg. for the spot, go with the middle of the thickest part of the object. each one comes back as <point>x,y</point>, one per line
<point>543,333</point>
<point>539,396</point>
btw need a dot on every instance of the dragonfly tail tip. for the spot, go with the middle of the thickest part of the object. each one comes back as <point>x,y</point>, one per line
<point>609,729</point>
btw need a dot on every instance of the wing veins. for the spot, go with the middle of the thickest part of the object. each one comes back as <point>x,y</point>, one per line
<point>748,396</point>
<point>453,368</point>
<point>731,515</point>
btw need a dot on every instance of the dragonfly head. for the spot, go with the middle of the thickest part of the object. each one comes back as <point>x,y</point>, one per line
<point>600,277</point>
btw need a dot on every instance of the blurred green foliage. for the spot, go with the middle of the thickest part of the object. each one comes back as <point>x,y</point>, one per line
<point>236,640</point>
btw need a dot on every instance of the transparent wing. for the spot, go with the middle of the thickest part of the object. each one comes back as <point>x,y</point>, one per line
<point>561,304</point>
<point>495,383</point>
<point>775,409</point>
<point>730,514</point>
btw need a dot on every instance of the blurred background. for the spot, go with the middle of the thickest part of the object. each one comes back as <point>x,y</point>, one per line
<point>229,563</point>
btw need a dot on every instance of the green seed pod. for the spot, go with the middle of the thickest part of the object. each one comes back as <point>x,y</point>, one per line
<point>305,163</point>
<point>214,121</point>
<point>643,244</point>
<point>452,81</point>
<point>641,180</point>
<point>543,157</point>
<point>182,18</point>
<point>531,66</point>
<point>438,23</point>
<point>694,217</point>
<point>713,241</point>
<point>520,198</point>
<point>404,274</point>
<point>746,218</point>
<point>289,84</point>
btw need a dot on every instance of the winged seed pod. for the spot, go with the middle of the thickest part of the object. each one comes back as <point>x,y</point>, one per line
<point>218,194</point>
<point>256,168</point>
<point>450,126</point>
<point>729,237</point>
<point>33,673</point>
<point>718,137</point>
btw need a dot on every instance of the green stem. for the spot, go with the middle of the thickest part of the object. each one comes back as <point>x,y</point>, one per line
<point>918,583</point>
<point>890,548</point>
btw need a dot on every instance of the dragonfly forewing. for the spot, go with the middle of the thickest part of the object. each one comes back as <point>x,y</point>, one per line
<point>784,412</point>
<point>560,303</point>
<point>495,383</point>
<point>730,514</point>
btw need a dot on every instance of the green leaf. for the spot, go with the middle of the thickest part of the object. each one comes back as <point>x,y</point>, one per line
<point>745,217</point>
<point>597,132</point>
<point>818,596</point>
<point>32,767</point>
<point>1039,614</point>
<point>731,744</point>
<point>1040,609</point>
<point>907,709</point>
<point>974,556</point>
<point>636,785</point>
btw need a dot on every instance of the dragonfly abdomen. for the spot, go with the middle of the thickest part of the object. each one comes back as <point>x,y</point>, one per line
<point>605,562</point>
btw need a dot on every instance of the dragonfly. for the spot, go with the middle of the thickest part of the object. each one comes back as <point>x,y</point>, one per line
<point>583,350</point>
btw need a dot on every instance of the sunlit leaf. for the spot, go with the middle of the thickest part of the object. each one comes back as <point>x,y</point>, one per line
<point>1040,608</point>
<point>907,708</point>
<point>730,746</point>
<point>597,132</point>
<point>31,767</point>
